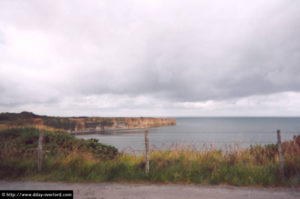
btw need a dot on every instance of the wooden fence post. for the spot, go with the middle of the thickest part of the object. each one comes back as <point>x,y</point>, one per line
<point>40,150</point>
<point>281,170</point>
<point>147,152</point>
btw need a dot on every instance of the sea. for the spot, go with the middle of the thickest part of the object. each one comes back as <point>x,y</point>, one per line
<point>203,133</point>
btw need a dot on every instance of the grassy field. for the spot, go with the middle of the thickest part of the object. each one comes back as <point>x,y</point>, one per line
<point>66,158</point>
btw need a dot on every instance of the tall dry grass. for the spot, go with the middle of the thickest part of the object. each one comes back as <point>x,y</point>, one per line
<point>68,159</point>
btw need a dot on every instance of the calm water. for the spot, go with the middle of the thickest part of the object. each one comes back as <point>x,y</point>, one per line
<point>199,132</point>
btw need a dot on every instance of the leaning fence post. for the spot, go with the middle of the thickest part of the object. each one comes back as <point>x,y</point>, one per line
<point>281,170</point>
<point>40,150</point>
<point>147,152</point>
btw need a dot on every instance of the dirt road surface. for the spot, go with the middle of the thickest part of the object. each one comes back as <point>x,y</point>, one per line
<point>154,191</point>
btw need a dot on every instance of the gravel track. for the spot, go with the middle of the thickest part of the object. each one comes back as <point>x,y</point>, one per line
<point>154,191</point>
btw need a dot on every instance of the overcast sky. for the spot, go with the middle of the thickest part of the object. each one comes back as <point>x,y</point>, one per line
<point>150,57</point>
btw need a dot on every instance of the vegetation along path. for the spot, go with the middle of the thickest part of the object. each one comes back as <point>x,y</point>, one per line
<point>172,191</point>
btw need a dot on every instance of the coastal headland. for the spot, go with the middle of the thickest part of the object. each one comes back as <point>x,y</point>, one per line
<point>79,125</point>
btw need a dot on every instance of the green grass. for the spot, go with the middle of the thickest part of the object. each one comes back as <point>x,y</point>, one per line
<point>66,158</point>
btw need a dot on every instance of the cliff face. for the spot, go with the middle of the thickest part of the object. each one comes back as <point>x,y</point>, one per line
<point>81,124</point>
<point>111,123</point>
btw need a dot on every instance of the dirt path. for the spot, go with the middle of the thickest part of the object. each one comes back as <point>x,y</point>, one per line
<point>154,191</point>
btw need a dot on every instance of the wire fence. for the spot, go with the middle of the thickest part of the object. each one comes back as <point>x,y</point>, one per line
<point>177,147</point>
<point>205,147</point>
<point>133,143</point>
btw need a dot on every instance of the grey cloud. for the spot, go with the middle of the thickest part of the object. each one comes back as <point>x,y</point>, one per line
<point>175,51</point>
<point>177,63</point>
